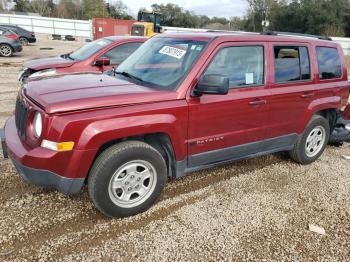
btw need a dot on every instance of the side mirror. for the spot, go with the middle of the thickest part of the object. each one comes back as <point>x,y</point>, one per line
<point>102,61</point>
<point>212,84</point>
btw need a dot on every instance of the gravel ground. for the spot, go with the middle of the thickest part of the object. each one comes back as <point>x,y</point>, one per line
<point>258,209</point>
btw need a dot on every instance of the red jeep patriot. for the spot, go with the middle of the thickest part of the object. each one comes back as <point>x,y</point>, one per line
<point>180,103</point>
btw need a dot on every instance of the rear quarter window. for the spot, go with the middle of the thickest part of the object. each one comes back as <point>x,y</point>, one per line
<point>329,65</point>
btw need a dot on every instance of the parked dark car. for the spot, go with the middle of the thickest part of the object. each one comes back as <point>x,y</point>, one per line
<point>9,42</point>
<point>25,36</point>
<point>97,56</point>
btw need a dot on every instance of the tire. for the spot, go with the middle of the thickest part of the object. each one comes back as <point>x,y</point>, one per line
<point>311,144</point>
<point>6,50</point>
<point>127,179</point>
<point>24,41</point>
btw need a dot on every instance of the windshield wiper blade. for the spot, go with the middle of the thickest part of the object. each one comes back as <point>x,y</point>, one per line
<point>67,56</point>
<point>71,58</point>
<point>126,74</point>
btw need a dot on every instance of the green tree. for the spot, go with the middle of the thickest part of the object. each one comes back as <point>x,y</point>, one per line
<point>42,7</point>
<point>237,23</point>
<point>174,15</point>
<point>321,17</point>
<point>21,6</point>
<point>118,10</point>
<point>94,9</point>
<point>69,9</point>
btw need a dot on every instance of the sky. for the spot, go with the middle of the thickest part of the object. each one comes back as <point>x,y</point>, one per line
<point>220,8</point>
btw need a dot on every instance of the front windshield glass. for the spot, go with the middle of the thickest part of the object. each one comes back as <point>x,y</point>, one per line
<point>89,49</point>
<point>161,62</point>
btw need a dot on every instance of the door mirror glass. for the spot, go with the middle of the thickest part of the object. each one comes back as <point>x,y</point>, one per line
<point>212,84</point>
<point>102,61</point>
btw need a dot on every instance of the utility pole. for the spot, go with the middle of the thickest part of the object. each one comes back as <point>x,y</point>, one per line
<point>265,22</point>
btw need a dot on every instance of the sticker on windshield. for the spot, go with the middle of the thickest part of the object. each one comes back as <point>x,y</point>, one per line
<point>172,51</point>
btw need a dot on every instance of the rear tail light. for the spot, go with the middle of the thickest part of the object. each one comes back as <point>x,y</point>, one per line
<point>12,36</point>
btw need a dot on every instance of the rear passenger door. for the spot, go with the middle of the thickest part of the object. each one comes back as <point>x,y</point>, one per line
<point>292,89</point>
<point>226,127</point>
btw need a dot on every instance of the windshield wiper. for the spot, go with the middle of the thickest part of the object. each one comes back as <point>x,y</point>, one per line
<point>71,58</point>
<point>67,56</point>
<point>126,74</point>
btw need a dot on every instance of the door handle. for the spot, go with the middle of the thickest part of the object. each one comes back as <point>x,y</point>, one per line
<point>307,95</point>
<point>257,102</point>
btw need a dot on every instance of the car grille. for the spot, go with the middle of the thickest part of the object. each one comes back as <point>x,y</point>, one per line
<point>21,117</point>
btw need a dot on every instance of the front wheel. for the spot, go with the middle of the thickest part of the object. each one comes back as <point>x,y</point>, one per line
<point>6,50</point>
<point>126,179</point>
<point>311,144</point>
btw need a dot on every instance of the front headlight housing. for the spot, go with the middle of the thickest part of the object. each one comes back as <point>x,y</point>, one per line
<point>43,73</point>
<point>37,125</point>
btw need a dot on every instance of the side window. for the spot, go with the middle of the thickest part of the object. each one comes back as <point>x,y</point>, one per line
<point>292,63</point>
<point>119,53</point>
<point>243,65</point>
<point>329,65</point>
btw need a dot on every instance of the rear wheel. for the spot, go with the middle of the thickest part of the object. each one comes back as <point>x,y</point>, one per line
<point>313,142</point>
<point>6,50</point>
<point>127,179</point>
<point>24,41</point>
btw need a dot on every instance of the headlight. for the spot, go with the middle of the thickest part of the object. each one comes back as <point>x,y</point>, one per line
<point>47,72</point>
<point>37,125</point>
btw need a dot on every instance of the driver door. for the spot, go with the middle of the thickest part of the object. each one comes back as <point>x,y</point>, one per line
<point>232,126</point>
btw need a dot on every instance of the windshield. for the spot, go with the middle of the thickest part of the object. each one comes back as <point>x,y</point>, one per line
<point>89,49</point>
<point>162,62</point>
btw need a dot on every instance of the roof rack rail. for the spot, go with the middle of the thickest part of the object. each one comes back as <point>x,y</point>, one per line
<point>297,34</point>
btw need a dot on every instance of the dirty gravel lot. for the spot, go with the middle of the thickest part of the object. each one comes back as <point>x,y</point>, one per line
<point>257,209</point>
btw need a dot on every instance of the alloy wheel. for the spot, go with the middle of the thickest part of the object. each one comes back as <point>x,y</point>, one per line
<point>5,50</point>
<point>132,183</point>
<point>315,141</point>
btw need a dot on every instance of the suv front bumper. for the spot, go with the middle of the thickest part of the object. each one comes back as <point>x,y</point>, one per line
<point>46,178</point>
<point>21,157</point>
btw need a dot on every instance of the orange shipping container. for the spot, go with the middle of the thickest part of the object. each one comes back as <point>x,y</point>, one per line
<point>103,27</point>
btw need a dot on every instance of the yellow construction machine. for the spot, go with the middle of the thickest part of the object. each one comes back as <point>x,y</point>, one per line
<point>148,24</point>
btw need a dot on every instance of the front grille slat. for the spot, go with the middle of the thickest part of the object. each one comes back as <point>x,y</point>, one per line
<point>21,117</point>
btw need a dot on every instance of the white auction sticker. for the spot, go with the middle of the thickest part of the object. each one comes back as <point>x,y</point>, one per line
<point>249,78</point>
<point>172,51</point>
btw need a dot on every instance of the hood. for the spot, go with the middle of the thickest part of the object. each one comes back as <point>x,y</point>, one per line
<point>84,91</point>
<point>49,62</point>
